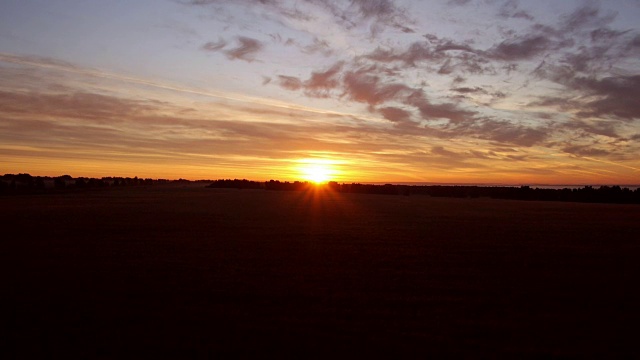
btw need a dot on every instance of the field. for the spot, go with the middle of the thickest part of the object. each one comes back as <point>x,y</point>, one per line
<point>183,271</point>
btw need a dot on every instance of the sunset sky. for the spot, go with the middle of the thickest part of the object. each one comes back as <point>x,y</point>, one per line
<point>451,91</point>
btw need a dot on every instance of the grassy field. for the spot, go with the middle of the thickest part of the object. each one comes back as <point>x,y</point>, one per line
<point>184,271</point>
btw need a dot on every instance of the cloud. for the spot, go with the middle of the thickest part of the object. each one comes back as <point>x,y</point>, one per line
<point>94,125</point>
<point>527,47</point>
<point>606,34</point>
<point>78,105</point>
<point>417,51</point>
<point>634,44</point>
<point>289,82</point>
<point>592,62</point>
<point>458,2</point>
<point>214,46</point>
<point>430,111</point>
<point>246,50</point>
<point>445,56</point>
<point>521,48</point>
<point>396,115</point>
<point>246,2</point>
<point>360,85</point>
<point>617,96</point>
<point>37,61</point>
<point>601,127</point>
<point>510,9</point>
<point>566,43</point>
<point>585,151</point>
<point>580,61</point>
<point>500,131</point>
<point>468,90</point>
<point>363,87</point>
<point>505,132</point>
<point>434,49</point>
<point>367,85</point>
<point>585,60</point>
<point>321,83</point>
<point>439,150</point>
<point>588,16</point>
<point>318,46</point>
<point>377,15</point>
<point>379,9</point>
<point>385,12</point>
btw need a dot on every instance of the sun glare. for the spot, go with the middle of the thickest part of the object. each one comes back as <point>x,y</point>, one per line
<point>317,171</point>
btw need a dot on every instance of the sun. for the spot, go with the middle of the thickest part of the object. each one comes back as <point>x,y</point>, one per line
<point>318,173</point>
<point>318,170</point>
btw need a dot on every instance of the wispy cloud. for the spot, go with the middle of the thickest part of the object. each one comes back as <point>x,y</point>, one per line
<point>246,50</point>
<point>290,82</point>
<point>214,46</point>
<point>510,9</point>
<point>378,15</point>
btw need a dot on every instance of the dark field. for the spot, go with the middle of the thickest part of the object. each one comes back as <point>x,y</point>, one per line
<point>184,271</point>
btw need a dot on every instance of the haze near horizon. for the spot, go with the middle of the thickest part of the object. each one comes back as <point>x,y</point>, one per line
<point>458,91</point>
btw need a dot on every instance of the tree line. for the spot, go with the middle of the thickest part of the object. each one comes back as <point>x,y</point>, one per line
<point>25,183</point>
<point>601,194</point>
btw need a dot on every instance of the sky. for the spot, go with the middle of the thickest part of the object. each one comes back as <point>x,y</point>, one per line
<point>450,91</point>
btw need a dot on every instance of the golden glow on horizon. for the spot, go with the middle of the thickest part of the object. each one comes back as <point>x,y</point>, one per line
<point>316,173</point>
<point>317,170</point>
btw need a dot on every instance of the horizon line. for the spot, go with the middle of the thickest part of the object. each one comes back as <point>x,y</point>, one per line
<point>406,183</point>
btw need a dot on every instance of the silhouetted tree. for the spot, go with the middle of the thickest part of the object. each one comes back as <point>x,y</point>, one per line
<point>39,183</point>
<point>59,183</point>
